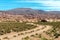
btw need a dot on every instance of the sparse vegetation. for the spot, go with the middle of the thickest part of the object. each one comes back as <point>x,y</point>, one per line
<point>8,27</point>
<point>39,35</point>
<point>32,35</point>
<point>5,38</point>
<point>43,38</point>
<point>55,31</point>
<point>14,36</point>
<point>18,34</point>
<point>26,38</point>
<point>43,20</point>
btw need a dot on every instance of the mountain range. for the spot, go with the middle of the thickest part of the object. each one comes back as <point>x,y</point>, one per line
<point>28,12</point>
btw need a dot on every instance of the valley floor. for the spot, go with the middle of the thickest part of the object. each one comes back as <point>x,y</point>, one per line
<point>19,35</point>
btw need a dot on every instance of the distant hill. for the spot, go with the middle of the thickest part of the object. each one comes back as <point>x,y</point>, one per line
<point>28,12</point>
<point>25,11</point>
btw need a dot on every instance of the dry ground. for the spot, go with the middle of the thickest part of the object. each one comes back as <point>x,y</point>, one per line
<point>20,35</point>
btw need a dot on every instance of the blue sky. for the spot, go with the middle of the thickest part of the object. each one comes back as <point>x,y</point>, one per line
<point>48,5</point>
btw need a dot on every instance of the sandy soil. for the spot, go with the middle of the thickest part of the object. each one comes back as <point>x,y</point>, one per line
<point>15,36</point>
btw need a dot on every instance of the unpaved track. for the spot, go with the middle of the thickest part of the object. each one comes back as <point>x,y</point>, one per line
<point>38,29</point>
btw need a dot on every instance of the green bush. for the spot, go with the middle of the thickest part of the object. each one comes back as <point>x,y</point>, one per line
<point>43,38</point>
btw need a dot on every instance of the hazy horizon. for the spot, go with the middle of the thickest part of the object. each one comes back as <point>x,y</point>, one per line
<point>46,5</point>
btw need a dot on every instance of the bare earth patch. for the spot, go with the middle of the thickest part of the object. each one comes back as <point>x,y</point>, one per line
<point>15,36</point>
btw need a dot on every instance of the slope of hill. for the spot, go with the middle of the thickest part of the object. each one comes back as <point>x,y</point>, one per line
<point>30,13</point>
<point>24,11</point>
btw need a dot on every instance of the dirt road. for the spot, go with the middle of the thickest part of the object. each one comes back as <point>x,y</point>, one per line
<point>20,35</point>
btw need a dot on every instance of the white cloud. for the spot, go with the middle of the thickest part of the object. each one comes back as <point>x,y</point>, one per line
<point>48,4</point>
<point>45,3</point>
<point>51,3</point>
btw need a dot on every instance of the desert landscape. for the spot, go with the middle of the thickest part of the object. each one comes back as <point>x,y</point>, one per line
<point>29,24</point>
<point>29,19</point>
